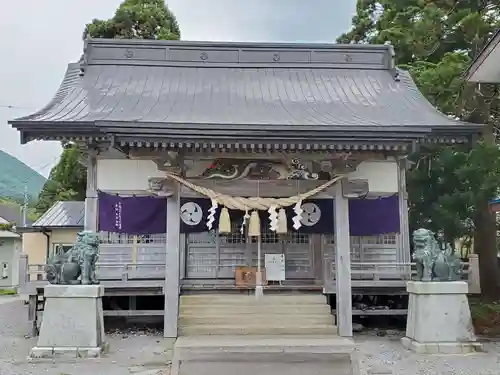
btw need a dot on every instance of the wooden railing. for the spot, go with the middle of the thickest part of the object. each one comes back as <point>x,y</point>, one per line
<point>35,273</point>
<point>362,273</point>
<point>394,274</point>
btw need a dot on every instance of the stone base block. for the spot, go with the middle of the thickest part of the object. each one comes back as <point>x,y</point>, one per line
<point>66,352</point>
<point>439,319</point>
<point>265,355</point>
<point>441,347</point>
<point>72,323</point>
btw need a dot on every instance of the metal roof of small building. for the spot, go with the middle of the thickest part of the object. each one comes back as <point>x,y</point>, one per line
<point>63,214</point>
<point>236,89</point>
<point>8,234</point>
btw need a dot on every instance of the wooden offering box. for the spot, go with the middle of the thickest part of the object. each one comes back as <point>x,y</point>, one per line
<point>247,276</point>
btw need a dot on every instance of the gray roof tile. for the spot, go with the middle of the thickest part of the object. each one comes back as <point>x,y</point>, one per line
<point>240,96</point>
<point>192,91</point>
<point>63,214</point>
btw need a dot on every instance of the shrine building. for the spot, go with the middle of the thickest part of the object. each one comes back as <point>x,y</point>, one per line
<point>225,168</point>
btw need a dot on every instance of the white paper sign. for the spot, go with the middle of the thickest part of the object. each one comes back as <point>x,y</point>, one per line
<point>275,267</point>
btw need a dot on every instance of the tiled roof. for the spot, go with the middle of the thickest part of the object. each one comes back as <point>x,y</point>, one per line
<point>224,86</point>
<point>317,97</point>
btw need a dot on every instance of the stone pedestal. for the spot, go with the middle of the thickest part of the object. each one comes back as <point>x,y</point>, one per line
<point>439,319</point>
<point>72,323</point>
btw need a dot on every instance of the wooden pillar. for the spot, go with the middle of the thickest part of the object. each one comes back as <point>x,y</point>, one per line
<point>404,230</point>
<point>172,265</point>
<point>343,263</point>
<point>90,222</point>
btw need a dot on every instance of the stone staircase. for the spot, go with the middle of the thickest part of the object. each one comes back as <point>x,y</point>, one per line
<point>275,314</point>
<point>278,334</point>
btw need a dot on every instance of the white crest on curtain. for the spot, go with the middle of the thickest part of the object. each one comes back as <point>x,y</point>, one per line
<point>311,214</point>
<point>191,213</point>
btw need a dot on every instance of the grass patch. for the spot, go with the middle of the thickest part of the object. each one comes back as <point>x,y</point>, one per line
<point>485,316</point>
<point>8,292</point>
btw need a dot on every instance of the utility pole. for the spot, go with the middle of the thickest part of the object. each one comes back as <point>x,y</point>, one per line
<point>25,206</point>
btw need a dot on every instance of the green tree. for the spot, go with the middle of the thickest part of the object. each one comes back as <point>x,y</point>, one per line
<point>137,19</point>
<point>67,180</point>
<point>436,40</point>
<point>134,19</point>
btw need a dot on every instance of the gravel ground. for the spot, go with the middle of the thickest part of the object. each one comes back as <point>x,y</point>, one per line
<point>146,352</point>
<point>134,352</point>
<point>383,353</point>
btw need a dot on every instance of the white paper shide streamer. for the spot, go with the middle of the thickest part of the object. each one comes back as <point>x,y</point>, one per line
<point>211,215</point>
<point>273,218</point>
<point>246,217</point>
<point>254,204</point>
<point>298,215</point>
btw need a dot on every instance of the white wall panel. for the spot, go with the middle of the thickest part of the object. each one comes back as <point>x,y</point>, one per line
<point>125,174</point>
<point>133,174</point>
<point>382,176</point>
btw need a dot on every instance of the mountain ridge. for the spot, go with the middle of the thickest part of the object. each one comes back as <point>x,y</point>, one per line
<point>14,175</point>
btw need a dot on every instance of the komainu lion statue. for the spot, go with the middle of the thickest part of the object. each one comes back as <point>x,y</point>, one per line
<point>434,263</point>
<point>77,265</point>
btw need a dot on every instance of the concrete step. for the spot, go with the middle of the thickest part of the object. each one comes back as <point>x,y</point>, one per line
<point>265,355</point>
<point>250,319</point>
<point>223,344</point>
<point>235,309</point>
<point>257,329</point>
<point>227,299</point>
<point>226,314</point>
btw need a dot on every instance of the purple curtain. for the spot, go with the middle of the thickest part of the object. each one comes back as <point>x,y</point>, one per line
<point>372,217</point>
<point>367,217</point>
<point>132,215</point>
<point>317,217</point>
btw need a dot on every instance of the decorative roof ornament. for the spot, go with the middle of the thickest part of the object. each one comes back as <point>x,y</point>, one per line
<point>128,53</point>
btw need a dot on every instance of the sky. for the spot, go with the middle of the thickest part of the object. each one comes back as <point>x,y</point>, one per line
<point>39,38</point>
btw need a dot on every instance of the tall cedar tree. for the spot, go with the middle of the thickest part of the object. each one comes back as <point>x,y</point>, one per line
<point>448,187</point>
<point>134,19</point>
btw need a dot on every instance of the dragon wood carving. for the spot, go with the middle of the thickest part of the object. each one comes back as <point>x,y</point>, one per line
<point>228,169</point>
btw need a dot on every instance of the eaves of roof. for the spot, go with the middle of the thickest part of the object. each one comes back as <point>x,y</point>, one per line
<point>188,91</point>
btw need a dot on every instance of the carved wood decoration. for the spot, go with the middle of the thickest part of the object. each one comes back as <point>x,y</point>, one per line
<point>256,169</point>
<point>245,173</point>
